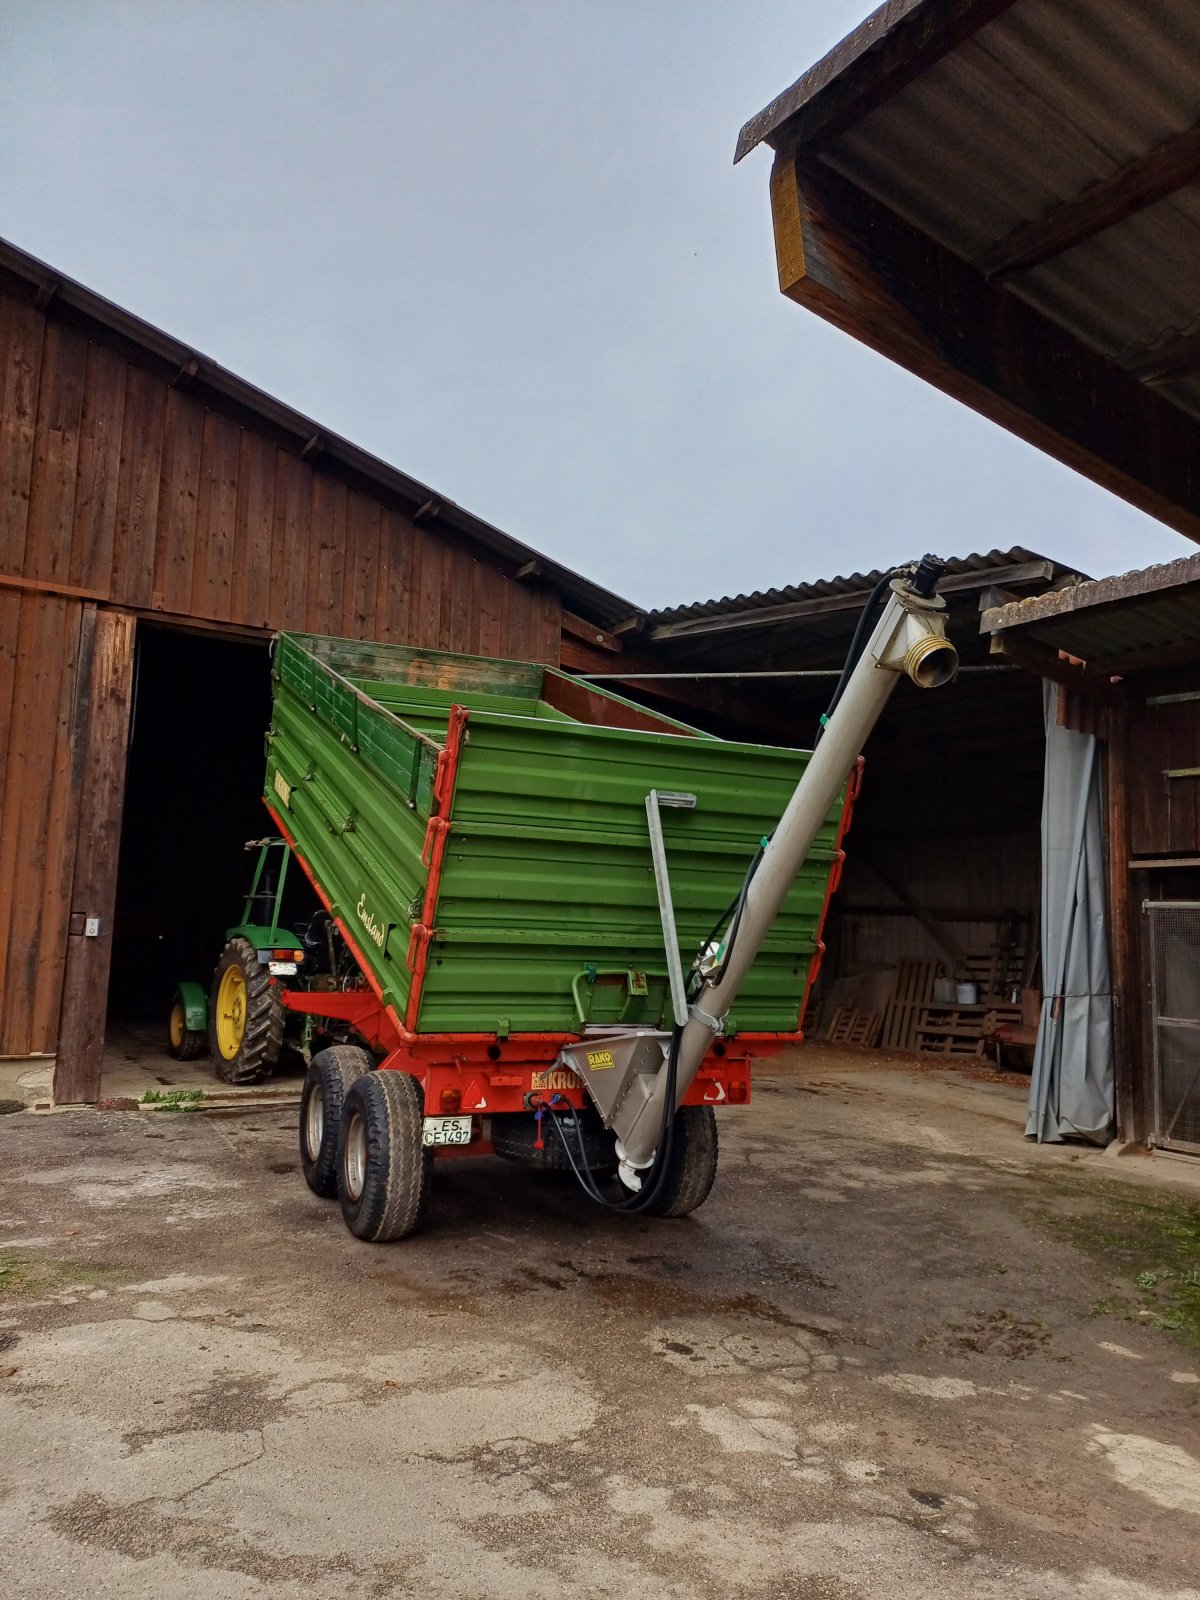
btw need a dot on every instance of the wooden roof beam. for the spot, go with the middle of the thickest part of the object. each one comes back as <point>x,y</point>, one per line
<point>589,632</point>
<point>1046,663</point>
<point>856,263</point>
<point>1102,205</point>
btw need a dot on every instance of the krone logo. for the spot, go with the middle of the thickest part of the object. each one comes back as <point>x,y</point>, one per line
<point>376,930</point>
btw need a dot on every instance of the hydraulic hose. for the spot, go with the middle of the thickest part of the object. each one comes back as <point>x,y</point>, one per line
<point>656,1175</point>
<point>857,645</point>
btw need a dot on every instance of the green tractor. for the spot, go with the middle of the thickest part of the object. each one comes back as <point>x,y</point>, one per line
<point>241,1022</point>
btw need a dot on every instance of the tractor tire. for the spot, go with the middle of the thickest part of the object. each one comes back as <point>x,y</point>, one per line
<point>693,1165</point>
<point>326,1084</point>
<point>184,1043</point>
<point>383,1168</point>
<point>514,1138</point>
<point>245,1016</point>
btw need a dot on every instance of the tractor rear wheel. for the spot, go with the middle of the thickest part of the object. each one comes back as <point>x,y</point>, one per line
<point>693,1164</point>
<point>184,1043</point>
<point>245,1028</point>
<point>330,1074</point>
<point>383,1168</point>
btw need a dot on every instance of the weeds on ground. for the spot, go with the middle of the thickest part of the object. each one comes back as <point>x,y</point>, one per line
<point>24,1274</point>
<point>173,1099</point>
<point>1151,1243</point>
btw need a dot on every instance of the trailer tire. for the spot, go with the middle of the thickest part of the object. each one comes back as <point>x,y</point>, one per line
<point>326,1084</point>
<point>183,1043</point>
<point>383,1168</point>
<point>245,1016</point>
<point>693,1164</point>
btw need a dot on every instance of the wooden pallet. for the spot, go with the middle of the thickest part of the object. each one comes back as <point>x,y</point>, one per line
<point>913,990</point>
<point>957,1030</point>
<point>850,1026</point>
<point>995,974</point>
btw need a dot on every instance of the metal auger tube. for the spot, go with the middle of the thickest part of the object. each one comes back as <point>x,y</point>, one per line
<point>909,638</point>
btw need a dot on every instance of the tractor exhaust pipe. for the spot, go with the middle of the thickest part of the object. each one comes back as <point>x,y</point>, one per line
<point>909,639</point>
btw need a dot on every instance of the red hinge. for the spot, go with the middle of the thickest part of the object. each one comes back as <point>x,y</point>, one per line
<point>418,943</point>
<point>437,825</point>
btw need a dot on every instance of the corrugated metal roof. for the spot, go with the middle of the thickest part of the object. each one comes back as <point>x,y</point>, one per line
<point>853,583</point>
<point>63,293</point>
<point>1121,624</point>
<point>1046,100</point>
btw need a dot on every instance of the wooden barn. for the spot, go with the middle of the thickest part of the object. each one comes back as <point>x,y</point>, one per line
<point>159,519</point>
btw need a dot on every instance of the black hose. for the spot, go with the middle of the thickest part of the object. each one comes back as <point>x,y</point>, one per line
<point>656,1175</point>
<point>857,645</point>
<point>738,905</point>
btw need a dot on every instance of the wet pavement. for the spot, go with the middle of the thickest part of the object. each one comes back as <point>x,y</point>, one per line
<point>883,1360</point>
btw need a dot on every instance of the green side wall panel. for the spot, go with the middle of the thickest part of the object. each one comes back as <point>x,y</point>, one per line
<point>547,900</point>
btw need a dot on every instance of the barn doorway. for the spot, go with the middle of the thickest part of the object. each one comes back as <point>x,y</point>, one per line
<point>201,704</point>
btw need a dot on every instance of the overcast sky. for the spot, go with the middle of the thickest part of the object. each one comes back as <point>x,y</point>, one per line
<point>501,244</point>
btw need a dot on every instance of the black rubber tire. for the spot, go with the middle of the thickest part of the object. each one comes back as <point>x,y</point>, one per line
<point>194,1042</point>
<point>326,1084</point>
<point>383,1120</point>
<point>693,1165</point>
<point>514,1138</point>
<point>262,1035</point>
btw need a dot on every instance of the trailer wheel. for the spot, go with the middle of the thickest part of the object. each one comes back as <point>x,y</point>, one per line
<point>383,1169</point>
<point>326,1084</point>
<point>693,1165</point>
<point>245,1027</point>
<point>184,1043</point>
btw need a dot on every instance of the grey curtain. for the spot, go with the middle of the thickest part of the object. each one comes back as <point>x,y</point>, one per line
<point>1071,1092</point>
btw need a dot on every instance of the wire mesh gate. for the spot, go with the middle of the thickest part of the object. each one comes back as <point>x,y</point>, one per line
<point>1175,992</point>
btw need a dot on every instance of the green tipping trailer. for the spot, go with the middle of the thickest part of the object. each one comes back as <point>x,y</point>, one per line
<point>478,828</point>
<point>543,905</point>
<point>513,865</point>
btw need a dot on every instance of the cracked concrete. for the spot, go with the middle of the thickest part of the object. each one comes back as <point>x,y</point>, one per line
<point>864,1369</point>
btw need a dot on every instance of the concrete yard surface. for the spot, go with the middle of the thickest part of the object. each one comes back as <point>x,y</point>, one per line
<point>899,1354</point>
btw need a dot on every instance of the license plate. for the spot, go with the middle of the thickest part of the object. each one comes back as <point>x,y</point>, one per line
<point>281,969</point>
<point>446,1130</point>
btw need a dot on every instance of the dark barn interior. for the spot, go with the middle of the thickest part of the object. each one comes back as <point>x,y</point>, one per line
<point>201,704</point>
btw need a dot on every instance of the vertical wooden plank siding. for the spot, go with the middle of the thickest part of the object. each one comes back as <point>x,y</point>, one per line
<point>250,597</point>
<point>389,597</point>
<point>21,338</point>
<point>25,755</point>
<point>326,569</point>
<point>55,454</point>
<point>114,480</point>
<point>297,543</point>
<point>212,594</point>
<point>94,526</point>
<point>85,986</point>
<point>366,518</point>
<point>62,814</point>
<point>175,534</point>
<point>39,637</point>
<point>12,605</point>
<point>138,487</point>
<point>426,621</point>
<point>1164,811</point>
